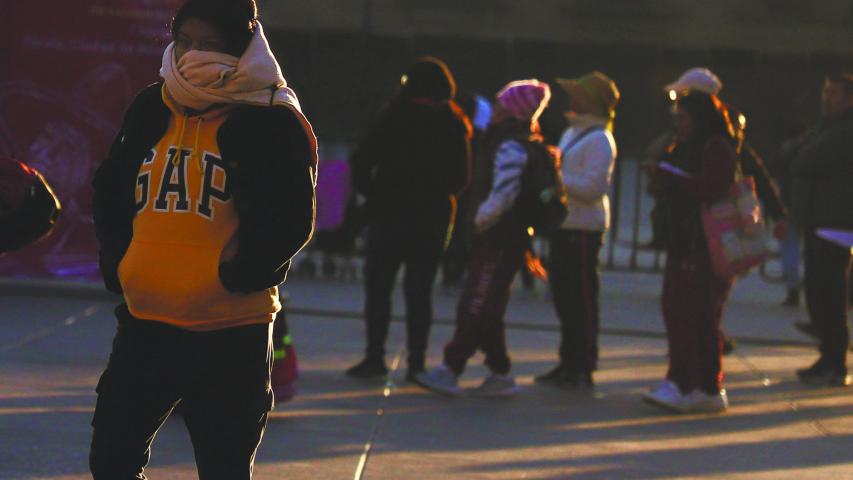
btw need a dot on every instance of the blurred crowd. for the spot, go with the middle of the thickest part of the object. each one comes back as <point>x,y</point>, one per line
<point>410,197</point>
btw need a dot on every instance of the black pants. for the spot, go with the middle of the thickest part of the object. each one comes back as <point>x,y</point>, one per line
<point>827,285</point>
<point>390,246</point>
<point>573,275</point>
<point>220,377</point>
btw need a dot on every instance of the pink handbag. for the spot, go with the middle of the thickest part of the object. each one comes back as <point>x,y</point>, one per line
<point>735,232</point>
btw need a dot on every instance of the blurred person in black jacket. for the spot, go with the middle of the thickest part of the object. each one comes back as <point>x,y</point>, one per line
<point>410,166</point>
<point>822,175</point>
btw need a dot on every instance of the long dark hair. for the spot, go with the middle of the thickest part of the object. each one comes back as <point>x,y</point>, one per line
<point>710,117</point>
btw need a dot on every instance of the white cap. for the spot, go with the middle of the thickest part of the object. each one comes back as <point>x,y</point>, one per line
<point>696,79</point>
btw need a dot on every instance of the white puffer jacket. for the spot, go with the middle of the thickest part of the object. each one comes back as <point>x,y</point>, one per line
<point>587,171</point>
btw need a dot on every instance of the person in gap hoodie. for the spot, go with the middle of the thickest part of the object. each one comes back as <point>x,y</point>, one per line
<point>205,196</point>
<point>410,166</point>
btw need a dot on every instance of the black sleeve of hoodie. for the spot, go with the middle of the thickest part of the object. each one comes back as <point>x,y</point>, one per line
<point>112,228</point>
<point>269,156</point>
<point>113,202</point>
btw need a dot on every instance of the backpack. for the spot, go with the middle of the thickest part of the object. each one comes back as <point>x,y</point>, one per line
<point>544,202</point>
<point>28,207</point>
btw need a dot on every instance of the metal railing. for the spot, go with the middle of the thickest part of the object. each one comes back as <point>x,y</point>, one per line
<point>627,243</point>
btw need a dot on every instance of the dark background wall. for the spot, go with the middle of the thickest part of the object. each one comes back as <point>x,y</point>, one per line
<point>345,57</point>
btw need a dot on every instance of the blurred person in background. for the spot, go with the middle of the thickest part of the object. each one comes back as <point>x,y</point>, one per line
<point>822,174</point>
<point>700,168</point>
<point>411,166</point>
<point>205,196</point>
<point>28,207</point>
<point>588,152</point>
<point>500,238</point>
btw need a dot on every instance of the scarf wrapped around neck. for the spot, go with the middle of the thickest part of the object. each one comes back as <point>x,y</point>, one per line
<point>200,79</point>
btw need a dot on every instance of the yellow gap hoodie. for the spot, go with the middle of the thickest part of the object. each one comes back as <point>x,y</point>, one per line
<point>185,226</point>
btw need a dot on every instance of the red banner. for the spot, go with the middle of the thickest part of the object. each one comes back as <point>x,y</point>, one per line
<point>71,69</point>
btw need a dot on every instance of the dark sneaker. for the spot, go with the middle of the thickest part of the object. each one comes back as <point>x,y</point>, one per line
<point>576,381</point>
<point>559,376</point>
<point>808,328</point>
<point>415,364</point>
<point>553,376</point>
<point>412,373</point>
<point>368,368</point>
<point>823,376</point>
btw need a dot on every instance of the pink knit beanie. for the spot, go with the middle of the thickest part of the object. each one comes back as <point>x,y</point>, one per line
<point>525,99</point>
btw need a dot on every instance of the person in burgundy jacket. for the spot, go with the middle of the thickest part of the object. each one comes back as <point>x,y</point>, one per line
<point>699,168</point>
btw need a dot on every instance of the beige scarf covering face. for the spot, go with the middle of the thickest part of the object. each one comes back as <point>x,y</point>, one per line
<point>201,79</point>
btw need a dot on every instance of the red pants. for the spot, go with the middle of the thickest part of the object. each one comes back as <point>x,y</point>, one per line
<point>692,302</point>
<point>481,307</point>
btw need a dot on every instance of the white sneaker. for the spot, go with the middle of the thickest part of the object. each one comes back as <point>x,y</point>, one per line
<point>698,401</point>
<point>666,395</point>
<point>496,386</point>
<point>441,380</point>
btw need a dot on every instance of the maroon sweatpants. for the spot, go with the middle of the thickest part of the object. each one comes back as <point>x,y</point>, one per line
<point>692,301</point>
<point>481,308</point>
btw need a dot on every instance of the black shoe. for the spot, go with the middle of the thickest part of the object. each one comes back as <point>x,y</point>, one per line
<point>415,364</point>
<point>576,381</point>
<point>792,299</point>
<point>808,328</point>
<point>729,344</point>
<point>824,376</point>
<point>553,376</point>
<point>368,368</point>
<point>562,377</point>
<point>412,374</point>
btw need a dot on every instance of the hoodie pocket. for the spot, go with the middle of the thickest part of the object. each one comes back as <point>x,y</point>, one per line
<point>180,284</point>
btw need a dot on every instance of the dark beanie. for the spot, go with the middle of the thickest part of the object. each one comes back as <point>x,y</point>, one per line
<point>429,78</point>
<point>233,19</point>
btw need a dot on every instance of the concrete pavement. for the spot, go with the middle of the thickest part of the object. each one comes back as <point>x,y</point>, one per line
<point>54,343</point>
